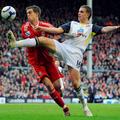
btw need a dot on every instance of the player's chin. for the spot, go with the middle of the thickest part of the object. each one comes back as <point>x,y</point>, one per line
<point>29,19</point>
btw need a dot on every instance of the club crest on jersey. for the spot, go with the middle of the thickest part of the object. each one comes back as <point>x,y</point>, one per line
<point>27,33</point>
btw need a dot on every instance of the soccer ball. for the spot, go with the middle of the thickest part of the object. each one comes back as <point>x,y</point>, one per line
<point>8,13</point>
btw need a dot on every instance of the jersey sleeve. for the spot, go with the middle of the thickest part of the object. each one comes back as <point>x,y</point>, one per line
<point>50,25</point>
<point>66,27</point>
<point>97,29</point>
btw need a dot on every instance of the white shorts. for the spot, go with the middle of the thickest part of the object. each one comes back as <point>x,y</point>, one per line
<point>70,55</point>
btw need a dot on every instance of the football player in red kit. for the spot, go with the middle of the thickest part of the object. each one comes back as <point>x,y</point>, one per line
<point>40,58</point>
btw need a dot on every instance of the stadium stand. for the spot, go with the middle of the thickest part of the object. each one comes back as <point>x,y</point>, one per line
<point>17,79</point>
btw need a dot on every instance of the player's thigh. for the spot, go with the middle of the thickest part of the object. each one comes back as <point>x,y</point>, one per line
<point>57,84</point>
<point>40,72</point>
<point>53,72</point>
<point>75,77</point>
<point>47,42</point>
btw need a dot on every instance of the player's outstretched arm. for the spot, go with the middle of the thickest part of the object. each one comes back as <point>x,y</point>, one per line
<point>50,29</point>
<point>109,28</point>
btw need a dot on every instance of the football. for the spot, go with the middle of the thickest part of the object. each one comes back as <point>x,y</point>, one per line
<point>8,13</point>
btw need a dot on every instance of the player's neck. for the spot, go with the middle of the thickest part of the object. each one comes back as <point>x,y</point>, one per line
<point>34,23</point>
<point>84,22</point>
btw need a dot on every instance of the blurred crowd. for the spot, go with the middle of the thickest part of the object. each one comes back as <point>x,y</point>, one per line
<point>17,79</point>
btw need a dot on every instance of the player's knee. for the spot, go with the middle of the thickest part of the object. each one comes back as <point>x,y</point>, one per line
<point>41,39</point>
<point>57,85</point>
<point>48,84</point>
<point>75,84</point>
<point>50,87</point>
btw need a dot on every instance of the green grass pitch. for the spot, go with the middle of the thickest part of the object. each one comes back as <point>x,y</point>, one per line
<point>53,112</point>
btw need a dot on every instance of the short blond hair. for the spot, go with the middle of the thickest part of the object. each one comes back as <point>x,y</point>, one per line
<point>88,10</point>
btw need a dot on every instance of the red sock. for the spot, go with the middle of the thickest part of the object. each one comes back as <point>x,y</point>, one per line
<point>56,96</point>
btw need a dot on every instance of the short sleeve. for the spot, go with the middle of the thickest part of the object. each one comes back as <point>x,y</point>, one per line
<point>66,27</point>
<point>97,29</point>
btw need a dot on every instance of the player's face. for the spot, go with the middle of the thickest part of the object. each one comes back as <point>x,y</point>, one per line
<point>31,15</point>
<point>82,14</point>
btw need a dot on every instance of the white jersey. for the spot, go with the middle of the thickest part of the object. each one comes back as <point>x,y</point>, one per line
<point>71,50</point>
<point>83,40</point>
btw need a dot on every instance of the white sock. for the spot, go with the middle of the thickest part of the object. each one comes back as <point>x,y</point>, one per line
<point>61,84</point>
<point>80,95</point>
<point>29,42</point>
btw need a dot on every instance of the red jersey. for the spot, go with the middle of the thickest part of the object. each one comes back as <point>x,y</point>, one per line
<point>37,55</point>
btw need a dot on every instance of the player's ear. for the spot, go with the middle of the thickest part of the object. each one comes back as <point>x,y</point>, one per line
<point>88,15</point>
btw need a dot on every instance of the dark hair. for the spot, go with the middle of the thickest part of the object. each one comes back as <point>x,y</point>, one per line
<point>35,8</point>
<point>88,10</point>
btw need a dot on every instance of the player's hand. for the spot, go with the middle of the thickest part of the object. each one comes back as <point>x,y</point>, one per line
<point>38,28</point>
<point>79,34</point>
<point>118,29</point>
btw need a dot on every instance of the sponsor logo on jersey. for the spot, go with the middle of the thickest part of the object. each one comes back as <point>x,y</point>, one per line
<point>27,33</point>
<point>81,30</point>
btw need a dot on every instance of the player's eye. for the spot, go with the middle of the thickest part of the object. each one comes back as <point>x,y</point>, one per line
<point>29,12</point>
<point>81,11</point>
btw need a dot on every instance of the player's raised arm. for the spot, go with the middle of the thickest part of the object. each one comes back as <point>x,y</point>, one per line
<point>109,28</point>
<point>50,29</point>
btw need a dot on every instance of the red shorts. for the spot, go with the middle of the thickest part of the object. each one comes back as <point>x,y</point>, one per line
<point>48,70</point>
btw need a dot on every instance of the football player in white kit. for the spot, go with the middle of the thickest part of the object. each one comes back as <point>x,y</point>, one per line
<point>78,36</point>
